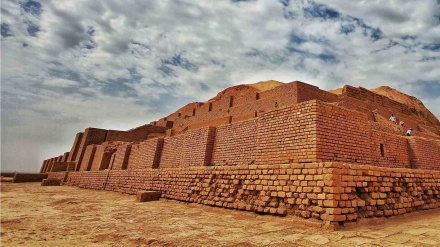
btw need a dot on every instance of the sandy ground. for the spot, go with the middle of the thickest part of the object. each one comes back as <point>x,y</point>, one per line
<point>32,215</point>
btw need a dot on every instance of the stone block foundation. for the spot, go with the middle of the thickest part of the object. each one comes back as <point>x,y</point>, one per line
<point>147,196</point>
<point>331,192</point>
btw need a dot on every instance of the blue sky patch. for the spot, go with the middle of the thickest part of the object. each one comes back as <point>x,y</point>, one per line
<point>296,39</point>
<point>409,37</point>
<point>427,89</point>
<point>327,57</point>
<point>179,61</point>
<point>368,31</point>
<point>432,47</point>
<point>285,3</point>
<point>376,34</point>
<point>33,29</point>
<point>6,32</point>
<point>348,28</point>
<point>166,70</point>
<point>32,7</point>
<point>204,87</point>
<point>118,88</point>
<point>277,58</point>
<point>135,77</point>
<point>58,70</point>
<point>321,11</point>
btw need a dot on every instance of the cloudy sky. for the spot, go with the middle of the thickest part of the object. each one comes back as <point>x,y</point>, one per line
<point>69,65</point>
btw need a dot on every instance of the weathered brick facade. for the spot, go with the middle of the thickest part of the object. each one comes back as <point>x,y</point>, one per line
<point>235,144</point>
<point>294,149</point>
<point>329,191</point>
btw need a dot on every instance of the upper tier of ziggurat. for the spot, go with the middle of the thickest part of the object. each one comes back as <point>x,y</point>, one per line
<point>271,147</point>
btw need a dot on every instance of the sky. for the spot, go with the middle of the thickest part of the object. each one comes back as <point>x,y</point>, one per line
<point>69,65</point>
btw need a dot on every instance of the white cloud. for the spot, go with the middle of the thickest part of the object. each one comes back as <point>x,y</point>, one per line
<point>396,18</point>
<point>114,64</point>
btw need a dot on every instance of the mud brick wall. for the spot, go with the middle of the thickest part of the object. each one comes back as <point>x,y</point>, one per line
<point>306,92</point>
<point>215,122</point>
<point>330,191</point>
<point>192,147</point>
<point>244,117</point>
<point>46,167</point>
<point>342,135</point>
<point>97,159</point>
<point>269,100</point>
<point>172,151</point>
<point>88,157</point>
<point>431,129</point>
<point>50,164</point>
<point>198,147</point>
<point>75,147</point>
<point>28,177</point>
<point>8,174</point>
<point>65,157</point>
<point>71,166</point>
<point>90,136</point>
<point>137,134</point>
<point>133,160</point>
<point>287,135</point>
<point>424,153</point>
<point>43,166</point>
<point>119,159</point>
<point>89,180</point>
<point>360,191</point>
<point>59,158</point>
<point>101,158</point>
<point>394,153</point>
<point>296,189</point>
<point>347,136</point>
<point>60,166</point>
<point>245,101</point>
<point>58,175</point>
<point>149,153</point>
<point>235,143</point>
<point>386,106</point>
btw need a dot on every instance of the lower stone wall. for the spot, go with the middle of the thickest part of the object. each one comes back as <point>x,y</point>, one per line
<point>28,177</point>
<point>424,153</point>
<point>331,192</point>
<point>89,180</point>
<point>369,191</point>
<point>58,175</point>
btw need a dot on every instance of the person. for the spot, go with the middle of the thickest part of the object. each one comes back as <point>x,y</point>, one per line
<point>408,132</point>
<point>402,123</point>
<point>393,118</point>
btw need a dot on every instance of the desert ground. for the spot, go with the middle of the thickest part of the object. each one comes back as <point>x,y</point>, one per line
<point>33,215</point>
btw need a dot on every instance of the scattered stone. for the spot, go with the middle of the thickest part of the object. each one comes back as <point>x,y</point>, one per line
<point>146,196</point>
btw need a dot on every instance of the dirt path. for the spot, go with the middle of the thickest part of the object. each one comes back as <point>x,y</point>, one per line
<point>32,215</point>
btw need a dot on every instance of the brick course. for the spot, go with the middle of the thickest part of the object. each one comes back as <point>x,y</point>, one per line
<point>330,191</point>
<point>88,157</point>
<point>287,135</point>
<point>235,143</point>
<point>90,136</point>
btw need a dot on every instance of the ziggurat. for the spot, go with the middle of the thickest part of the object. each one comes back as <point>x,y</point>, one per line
<point>275,148</point>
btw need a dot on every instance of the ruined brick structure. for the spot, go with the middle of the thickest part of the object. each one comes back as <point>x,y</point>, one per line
<point>291,149</point>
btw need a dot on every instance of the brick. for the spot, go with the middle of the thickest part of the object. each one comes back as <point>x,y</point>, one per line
<point>146,196</point>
